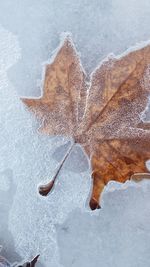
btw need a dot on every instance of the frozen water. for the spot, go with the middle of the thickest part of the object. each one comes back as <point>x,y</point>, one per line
<point>60,227</point>
<point>77,161</point>
<point>117,236</point>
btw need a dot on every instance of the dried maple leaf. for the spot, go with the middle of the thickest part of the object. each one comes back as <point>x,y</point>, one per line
<point>103,115</point>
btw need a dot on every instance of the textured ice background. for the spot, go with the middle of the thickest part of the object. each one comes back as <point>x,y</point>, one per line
<point>60,227</point>
<point>117,236</point>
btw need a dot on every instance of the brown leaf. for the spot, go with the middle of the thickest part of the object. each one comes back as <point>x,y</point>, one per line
<point>64,87</point>
<point>103,115</point>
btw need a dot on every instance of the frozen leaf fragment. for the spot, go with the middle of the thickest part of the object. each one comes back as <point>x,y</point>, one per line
<point>103,115</point>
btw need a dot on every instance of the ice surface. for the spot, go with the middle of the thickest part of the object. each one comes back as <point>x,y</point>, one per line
<point>60,227</point>
<point>117,236</point>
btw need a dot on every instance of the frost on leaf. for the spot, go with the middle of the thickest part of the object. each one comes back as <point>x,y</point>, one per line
<point>103,115</point>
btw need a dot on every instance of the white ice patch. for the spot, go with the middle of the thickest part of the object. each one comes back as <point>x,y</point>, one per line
<point>9,49</point>
<point>118,234</point>
<point>145,82</point>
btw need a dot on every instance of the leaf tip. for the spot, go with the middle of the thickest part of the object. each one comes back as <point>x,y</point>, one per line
<point>94,204</point>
